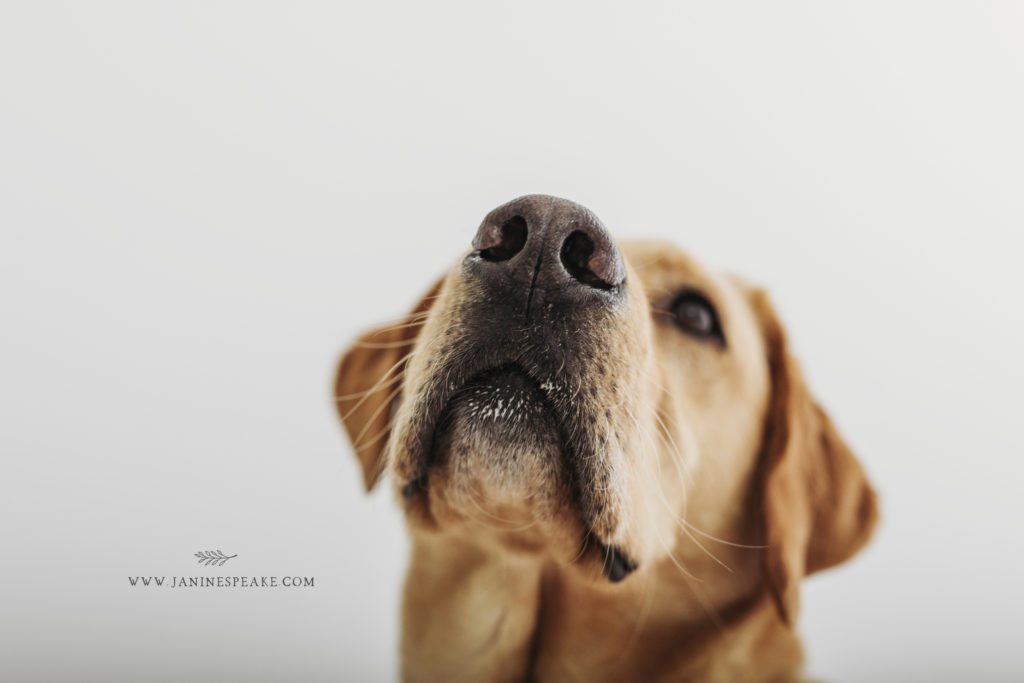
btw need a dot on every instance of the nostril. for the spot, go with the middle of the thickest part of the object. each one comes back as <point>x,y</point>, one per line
<point>502,242</point>
<point>588,264</point>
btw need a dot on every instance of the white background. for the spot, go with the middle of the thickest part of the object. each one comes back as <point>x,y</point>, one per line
<point>201,204</point>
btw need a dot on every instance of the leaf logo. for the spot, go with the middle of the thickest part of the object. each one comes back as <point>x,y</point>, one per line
<point>213,557</point>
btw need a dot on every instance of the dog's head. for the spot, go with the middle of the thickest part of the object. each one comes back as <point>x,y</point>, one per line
<point>604,405</point>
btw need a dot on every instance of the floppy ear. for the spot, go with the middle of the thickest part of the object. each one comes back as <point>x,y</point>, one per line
<point>818,507</point>
<point>368,385</point>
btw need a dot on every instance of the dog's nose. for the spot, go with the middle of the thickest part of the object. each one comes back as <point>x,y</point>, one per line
<point>542,243</point>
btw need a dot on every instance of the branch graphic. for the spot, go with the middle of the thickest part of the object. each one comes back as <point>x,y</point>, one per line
<point>213,557</point>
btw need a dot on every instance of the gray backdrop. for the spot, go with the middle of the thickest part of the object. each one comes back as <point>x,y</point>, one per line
<point>201,203</point>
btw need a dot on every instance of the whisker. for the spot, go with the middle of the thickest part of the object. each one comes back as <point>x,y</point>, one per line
<point>380,409</point>
<point>683,520</point>
<point>400,362</point>
<point>722,540</point>
<point>376,437</point>
<point>359,394</point>
<point>668,546</point>
<point>680,521</point>
<point>400,324</point>
<point>383,345</point>
<point>661,493</point>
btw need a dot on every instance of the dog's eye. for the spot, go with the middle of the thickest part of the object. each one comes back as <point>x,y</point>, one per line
<point>695,315</point>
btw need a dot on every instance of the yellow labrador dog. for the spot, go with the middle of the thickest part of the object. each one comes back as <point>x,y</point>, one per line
<point>611,466</point>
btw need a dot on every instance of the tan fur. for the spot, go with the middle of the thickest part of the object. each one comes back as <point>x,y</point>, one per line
<point>719,475</point>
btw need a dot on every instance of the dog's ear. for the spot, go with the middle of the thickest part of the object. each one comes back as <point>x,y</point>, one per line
<point>368,384</point>
<point>817,505</point>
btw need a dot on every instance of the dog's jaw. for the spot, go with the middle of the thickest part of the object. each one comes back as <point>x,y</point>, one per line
<point>464,424</point>
<point>576,341</point>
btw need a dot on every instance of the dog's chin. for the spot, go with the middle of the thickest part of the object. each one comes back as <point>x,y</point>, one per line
<point>498,440</point>
<point>499,468</point>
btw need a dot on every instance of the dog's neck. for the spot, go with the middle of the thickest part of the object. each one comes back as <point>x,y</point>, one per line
<point>478,614</point>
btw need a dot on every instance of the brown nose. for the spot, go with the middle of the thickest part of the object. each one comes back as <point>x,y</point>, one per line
<point>548,245</point>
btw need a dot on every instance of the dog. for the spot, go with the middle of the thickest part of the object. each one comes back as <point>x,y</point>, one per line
<point>611,466</point>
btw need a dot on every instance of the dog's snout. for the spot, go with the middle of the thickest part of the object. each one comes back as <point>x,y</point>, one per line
<point>542,243</point>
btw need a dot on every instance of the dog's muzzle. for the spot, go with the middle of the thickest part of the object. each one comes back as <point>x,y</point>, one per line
<point>523,367</point>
